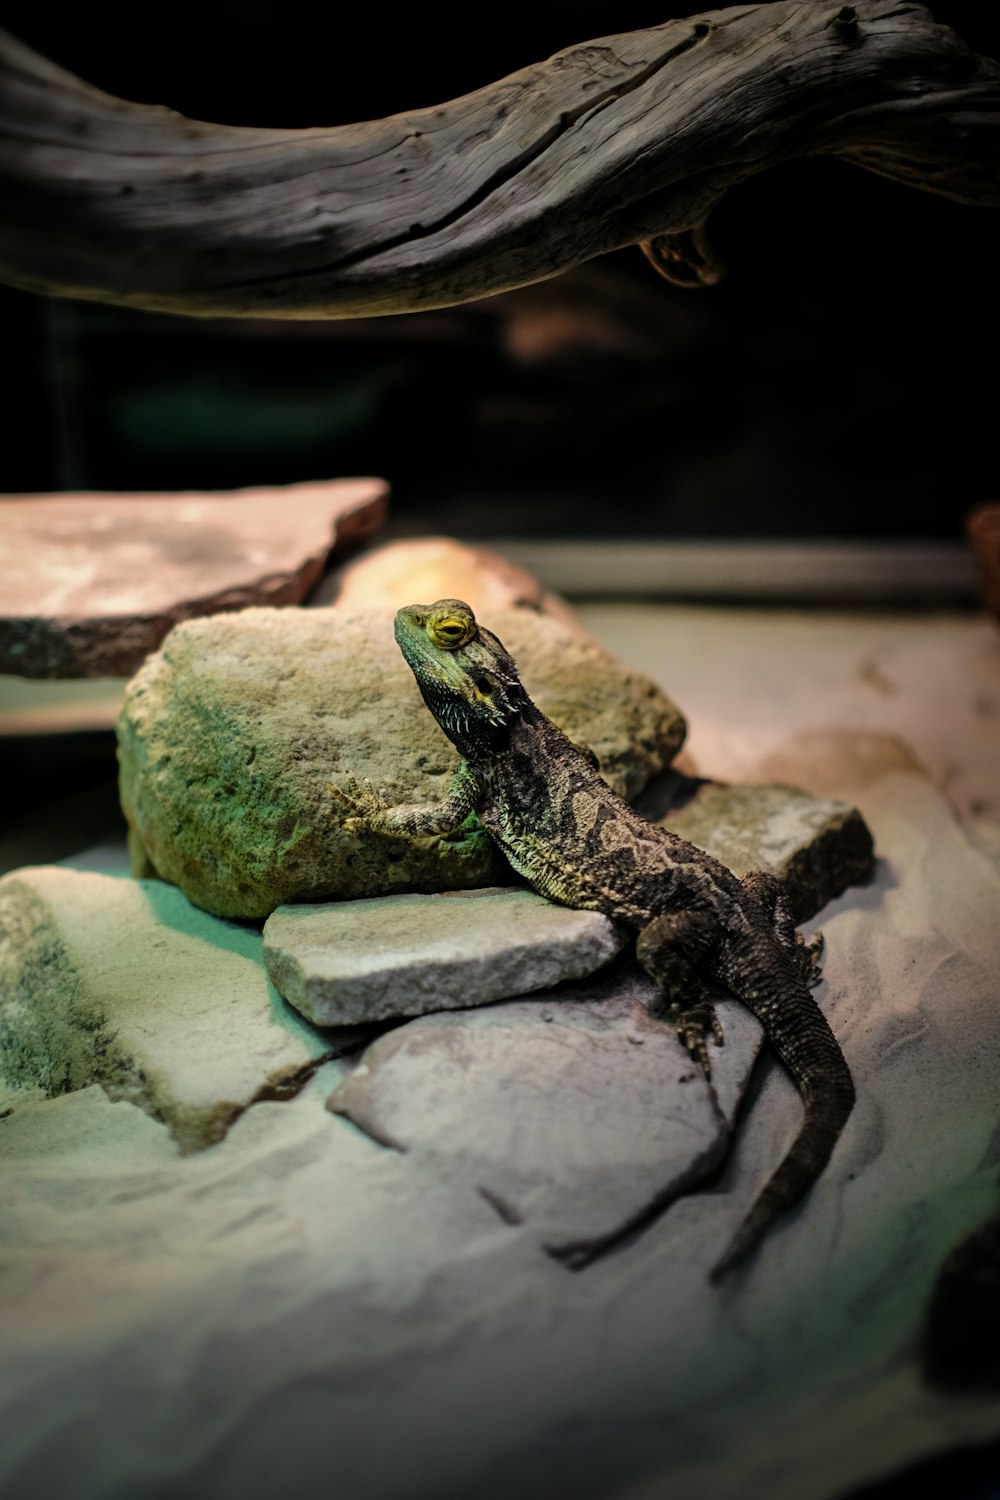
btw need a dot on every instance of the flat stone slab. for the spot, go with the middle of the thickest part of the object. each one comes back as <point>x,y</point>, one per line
<point>358,961</point>
<point>581,1116</point>
<point>91,583</point>
<point>230,735</point>
<point>372,960</point>
<point>817,846</point>
<point>123,983</point>
<point>578,1115</point>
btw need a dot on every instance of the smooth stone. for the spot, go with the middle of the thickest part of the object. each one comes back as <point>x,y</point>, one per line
<point>817,846</point>
<point>123,983</point>
<point>579,1115</point>
<point>358,961</point>
<point>429,568</point>
<point>230,735</point>
<point>91,583</point>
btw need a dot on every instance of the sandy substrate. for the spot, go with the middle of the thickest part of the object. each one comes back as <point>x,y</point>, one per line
<point>299,1309</point>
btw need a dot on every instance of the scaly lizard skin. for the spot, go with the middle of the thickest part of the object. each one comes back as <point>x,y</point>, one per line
<point>578,843</point>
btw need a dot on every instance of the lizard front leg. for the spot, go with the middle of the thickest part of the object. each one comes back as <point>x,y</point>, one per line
<point>361,807</point>
<point>670,949</point>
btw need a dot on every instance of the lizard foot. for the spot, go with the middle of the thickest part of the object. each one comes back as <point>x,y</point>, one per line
<point>694,1026</point>
<point>808,955</point>
<point>356,803</point>
<point>671,948</point>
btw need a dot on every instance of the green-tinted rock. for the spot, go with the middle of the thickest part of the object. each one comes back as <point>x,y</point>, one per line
<point>230,734</point>
<point>122,983</point>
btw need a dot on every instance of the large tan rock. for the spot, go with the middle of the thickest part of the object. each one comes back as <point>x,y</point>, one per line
<point>123,983</point>
<point>91,583</point>
<point>437,567</point>
<point>230,734</point>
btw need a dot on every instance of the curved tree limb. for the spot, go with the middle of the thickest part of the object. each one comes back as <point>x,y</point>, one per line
<point>627,139</point>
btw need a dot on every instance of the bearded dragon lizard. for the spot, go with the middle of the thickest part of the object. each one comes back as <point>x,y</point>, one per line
<point>572,837</point>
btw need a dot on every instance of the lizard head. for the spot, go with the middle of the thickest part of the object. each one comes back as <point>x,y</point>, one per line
<point>469,682</point>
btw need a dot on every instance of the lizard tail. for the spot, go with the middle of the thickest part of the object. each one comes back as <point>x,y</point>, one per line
<point>808,1049</point>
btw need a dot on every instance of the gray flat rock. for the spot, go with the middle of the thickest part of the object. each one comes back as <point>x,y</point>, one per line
<point>351,962</point>
<point>91,583</point>
<point>123,983</point>
<point>549,1109</point>
<point>817,846</point>
<point>230,735</point>
<point>372,960</point>
<point>579,1115</point>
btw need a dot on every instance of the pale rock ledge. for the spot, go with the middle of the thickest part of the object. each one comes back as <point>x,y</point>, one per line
<point>123,983</point>
<point>351,962</point>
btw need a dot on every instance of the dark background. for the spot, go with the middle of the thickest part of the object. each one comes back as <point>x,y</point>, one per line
<point>840,382</point>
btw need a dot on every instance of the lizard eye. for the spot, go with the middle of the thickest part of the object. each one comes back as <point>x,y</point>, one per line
<point>450,629</point>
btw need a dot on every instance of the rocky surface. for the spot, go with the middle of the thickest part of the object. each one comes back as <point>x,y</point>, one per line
<point>394,956</point>
<point>230,734</point>
<point>818,846</point>
<point>124,984</point>
<point>300,1304</point>
<point>354,962</point>
<point>91,583</point>
<point>923,692</point>
<point>423,569</point>
<point>524,1103</point>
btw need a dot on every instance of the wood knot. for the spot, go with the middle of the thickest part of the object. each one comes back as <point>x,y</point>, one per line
<point>845,23</point>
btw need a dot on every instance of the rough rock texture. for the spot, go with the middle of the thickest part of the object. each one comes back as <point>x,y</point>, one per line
<point>230,734</point>
<point>358,961</point>
<point>125,984</point>
<point>983,526</point>
<point>405,955</point>
<point>429,568</point>
<point>528,1103</point>
<point>818,846</point>
<point>91,583</point>
<point>519,1100</point>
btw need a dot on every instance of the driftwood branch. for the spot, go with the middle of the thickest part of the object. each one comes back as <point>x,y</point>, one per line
<point>627,139</point>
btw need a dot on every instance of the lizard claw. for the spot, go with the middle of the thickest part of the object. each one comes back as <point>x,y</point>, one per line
<point>808,955</point>
<point>693,1027</point>
<point>360,804</point>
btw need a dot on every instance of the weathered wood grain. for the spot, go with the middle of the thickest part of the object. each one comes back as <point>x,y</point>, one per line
<point>626,139</point>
